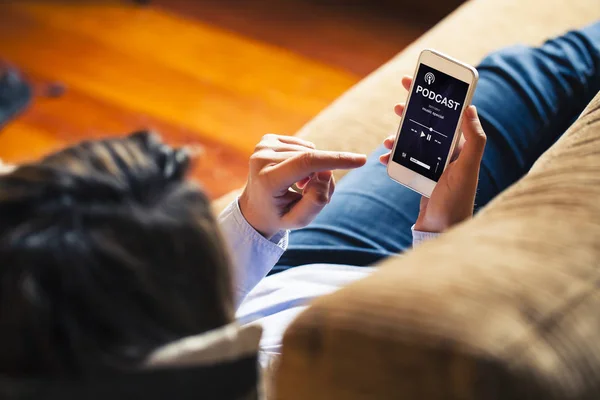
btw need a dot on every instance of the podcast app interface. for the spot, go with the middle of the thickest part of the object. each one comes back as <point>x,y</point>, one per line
<point>430,121</point>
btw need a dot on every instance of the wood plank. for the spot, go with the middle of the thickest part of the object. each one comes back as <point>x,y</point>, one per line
<point>44,128</point>
<point>32,142</point>
<point>213,82</point>
<point>357,36</point>
<point>213,73</point>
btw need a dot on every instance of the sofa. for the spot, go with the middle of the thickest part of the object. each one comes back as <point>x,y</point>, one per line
<point>504,306</point>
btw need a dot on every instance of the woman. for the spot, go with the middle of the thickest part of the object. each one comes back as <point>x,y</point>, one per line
<point>108,252</point>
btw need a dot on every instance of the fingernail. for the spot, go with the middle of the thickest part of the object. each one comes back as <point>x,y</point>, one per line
<point>472,112</point>
<point>323,176</point>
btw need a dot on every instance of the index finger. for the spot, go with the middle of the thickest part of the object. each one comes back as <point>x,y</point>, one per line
<point>287,172</point>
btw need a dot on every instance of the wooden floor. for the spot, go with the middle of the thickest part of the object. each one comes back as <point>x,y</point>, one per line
<point>215,73</point>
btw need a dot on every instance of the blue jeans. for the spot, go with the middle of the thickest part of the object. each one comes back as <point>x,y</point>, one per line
<point>526,98</point>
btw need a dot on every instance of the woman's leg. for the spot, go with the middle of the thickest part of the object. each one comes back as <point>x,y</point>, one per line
<point>526,98</point>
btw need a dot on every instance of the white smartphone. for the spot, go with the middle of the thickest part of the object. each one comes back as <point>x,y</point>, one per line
<point>430,127</point>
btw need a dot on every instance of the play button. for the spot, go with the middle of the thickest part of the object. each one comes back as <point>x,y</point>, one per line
<point>422,134</point>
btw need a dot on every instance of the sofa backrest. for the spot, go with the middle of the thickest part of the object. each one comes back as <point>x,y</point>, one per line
<point>362,117</point>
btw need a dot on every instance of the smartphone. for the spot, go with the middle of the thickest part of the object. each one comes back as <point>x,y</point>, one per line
<point>430,127</point>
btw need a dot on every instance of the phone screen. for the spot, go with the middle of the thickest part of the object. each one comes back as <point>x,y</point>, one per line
<point>430,122</point>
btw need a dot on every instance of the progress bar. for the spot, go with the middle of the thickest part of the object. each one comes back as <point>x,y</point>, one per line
<point>428,128</point>
<point>422,164</point>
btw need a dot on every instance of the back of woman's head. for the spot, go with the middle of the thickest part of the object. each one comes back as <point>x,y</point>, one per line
<point>106,252</point>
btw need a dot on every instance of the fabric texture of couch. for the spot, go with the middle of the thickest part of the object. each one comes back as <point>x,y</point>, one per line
<point>504,306</point>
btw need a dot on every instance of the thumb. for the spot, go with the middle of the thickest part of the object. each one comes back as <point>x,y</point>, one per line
<point>472,151</point>
<point>315,196</point>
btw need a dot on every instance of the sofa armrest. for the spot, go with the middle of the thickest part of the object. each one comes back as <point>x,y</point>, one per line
<point>504,306</point>
<point>361,118</point>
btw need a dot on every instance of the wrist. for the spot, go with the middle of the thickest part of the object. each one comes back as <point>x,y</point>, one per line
<point>254,220</point>
<point>423,224</point>
<point>437,225</point>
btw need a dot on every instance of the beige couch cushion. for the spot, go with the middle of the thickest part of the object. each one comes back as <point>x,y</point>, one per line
<point>361,118</point>
<point>505,306</point>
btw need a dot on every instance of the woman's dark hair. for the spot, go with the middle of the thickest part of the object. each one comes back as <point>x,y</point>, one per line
<point>106,252</point>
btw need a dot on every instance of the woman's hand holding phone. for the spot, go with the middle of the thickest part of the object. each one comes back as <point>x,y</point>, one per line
<point>453,198</point>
